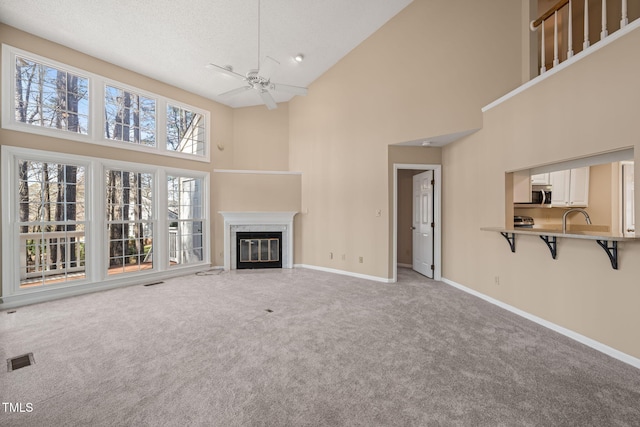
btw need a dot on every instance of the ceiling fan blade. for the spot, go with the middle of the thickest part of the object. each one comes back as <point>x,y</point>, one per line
<point>223,70</point>
<point>268,67</point>
<point>233,92</point>
<point>297,90</point>
<point>268,100</point>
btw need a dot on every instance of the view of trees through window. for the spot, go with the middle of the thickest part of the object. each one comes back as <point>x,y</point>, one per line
<point>129,221</point>
<point>185,130</point>
<point>51,97</point>
<point>51,222</point>
<point>129,117</point>
<point>185,220</point>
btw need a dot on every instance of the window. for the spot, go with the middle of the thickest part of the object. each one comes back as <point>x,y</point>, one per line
<point>185,131</point>
<point>129,221</point>
<point>129,117</point>
<point>51,222</point>
<point>50,97</point>
<point>76,221</point>
<point>185,215</point>
<point>53,99</point>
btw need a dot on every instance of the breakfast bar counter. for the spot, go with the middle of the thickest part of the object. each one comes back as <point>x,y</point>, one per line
<point>606,240</point>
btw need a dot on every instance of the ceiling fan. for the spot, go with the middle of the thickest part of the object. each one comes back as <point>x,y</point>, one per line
<point>260,79</point>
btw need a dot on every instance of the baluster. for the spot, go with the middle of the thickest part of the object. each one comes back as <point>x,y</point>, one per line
<point>570,40</point>
<point>556,61</point>
<point>543,68</point>
<point>39,261</point>
<point>625,19</point>
<point>585,44</point>
<point>604,32</point>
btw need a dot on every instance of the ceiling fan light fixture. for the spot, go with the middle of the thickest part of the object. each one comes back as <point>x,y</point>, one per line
<point>299,58</point>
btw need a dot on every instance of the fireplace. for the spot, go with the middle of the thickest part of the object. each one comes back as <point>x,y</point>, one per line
<point>258,222</point>
<point>258,250</point>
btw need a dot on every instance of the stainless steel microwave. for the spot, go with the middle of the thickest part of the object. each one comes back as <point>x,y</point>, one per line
<point>540,197</point>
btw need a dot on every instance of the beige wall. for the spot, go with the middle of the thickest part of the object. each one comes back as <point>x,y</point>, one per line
<point>562,117</point>
<point>261,138</point>
<point>416,77</point>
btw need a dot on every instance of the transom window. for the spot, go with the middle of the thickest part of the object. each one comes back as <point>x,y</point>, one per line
<point>51,97</point>
<point>129,117</point>
<point>185,130</point>
<point>55,99</point>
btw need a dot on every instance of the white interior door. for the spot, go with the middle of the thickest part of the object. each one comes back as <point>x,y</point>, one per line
<point>423,224</point>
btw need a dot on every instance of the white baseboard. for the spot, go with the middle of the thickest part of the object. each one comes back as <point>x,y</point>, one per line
<point>344,273</point>
<point>405,265</point>
<point>603,348</point>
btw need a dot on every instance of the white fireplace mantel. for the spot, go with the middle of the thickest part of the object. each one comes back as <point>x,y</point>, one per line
<point>257,221</point>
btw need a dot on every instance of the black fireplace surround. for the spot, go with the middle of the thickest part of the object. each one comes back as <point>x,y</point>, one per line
<point>258,249</point>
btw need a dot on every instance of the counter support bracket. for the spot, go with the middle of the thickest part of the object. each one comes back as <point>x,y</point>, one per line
<point>511,238</point>
<point>612,251</point>
<point>551,244</point>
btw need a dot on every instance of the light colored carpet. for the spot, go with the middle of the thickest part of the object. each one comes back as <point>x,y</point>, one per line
<point>335,351</point>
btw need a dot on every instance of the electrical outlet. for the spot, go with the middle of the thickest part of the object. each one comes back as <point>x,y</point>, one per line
<point>360,260</point>
<point>378,212</point>
<point>496,280</point>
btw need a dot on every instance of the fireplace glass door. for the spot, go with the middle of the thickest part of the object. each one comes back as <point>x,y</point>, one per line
<point>259,250</point>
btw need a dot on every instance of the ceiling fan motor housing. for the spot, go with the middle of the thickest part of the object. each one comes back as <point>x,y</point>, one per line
<point>256,81</point>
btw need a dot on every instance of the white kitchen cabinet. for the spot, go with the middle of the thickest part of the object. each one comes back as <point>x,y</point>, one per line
<point>570,188</point>
<point>540,179</point>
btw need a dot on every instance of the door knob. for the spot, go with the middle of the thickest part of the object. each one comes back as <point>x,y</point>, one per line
<point>413,228</point>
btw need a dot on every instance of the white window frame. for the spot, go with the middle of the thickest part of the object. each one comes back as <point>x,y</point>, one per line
<point>203,219</point>
<point>103,107</point>
<point>97,86</point>
<point>96,234</point>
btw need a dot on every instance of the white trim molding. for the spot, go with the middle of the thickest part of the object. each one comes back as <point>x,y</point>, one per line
<point>256,172</point>
<point>257,221</point>
<point>596,345</point>
<point>345,273</point>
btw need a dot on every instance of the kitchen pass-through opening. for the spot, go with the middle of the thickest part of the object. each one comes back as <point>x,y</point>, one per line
<point>258,250</point>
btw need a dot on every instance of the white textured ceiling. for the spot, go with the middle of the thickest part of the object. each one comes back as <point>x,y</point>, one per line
<point>173,40</point>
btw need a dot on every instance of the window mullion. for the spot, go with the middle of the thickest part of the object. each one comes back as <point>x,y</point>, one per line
<point>161,124</point>
<point>161,249</point>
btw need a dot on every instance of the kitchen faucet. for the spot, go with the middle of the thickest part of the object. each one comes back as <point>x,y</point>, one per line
<point>564,217</point>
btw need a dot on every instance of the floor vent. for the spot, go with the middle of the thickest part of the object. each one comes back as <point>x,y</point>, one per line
<point>20,362</point>
<point>152,284</point>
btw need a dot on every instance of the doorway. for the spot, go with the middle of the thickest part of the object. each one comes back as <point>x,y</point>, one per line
<point>427,250</point>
